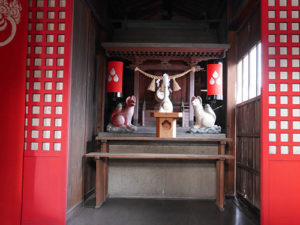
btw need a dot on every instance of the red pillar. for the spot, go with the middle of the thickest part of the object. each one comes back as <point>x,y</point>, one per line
<point>47,112</point>
<point>280,156</point>
<point>12,97</point>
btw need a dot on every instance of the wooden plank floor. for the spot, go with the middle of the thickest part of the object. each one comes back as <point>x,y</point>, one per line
<point>163,212</point>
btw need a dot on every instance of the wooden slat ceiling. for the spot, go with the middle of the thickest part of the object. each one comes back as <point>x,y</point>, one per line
<point>166,9</point>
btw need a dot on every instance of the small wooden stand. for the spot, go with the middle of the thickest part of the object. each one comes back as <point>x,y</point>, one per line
<point>166,124</point>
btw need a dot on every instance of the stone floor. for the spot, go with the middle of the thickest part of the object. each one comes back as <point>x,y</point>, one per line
<point>164,212</point>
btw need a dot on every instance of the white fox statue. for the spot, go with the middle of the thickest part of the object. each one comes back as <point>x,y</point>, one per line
<point>205,117</point>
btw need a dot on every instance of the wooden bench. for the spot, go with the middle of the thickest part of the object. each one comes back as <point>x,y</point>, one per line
<point>103,156</point>
<point>99,155</point>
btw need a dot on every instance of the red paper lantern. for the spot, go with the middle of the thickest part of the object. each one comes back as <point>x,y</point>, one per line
<point>215,80</point>
<point>115,76</point>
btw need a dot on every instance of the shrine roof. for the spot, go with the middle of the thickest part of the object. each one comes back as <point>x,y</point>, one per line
<point>205,50</point>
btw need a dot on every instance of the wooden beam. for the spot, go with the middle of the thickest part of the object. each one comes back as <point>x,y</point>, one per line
<point>99,155</point>
<point>144,12</point>
<point>188,12</point>
<point>160,67</point>
<point>186,47</point>
<point>110,137</point>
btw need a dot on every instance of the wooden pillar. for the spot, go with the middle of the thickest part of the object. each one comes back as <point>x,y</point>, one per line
<point>230,82</point>
<point>101,177</point>
<point>105,148</point>
<point>101,90</point>
<point>191,94</point>
<point>218,182</point>
<point>136,94</point>
<point>220,178</point>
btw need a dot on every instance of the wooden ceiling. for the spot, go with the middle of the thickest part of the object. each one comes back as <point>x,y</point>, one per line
<point>211,10</point>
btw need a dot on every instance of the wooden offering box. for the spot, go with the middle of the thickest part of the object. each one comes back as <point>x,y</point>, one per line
<point>166,124</point>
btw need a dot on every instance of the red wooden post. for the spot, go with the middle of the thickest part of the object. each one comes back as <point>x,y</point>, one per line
<point>13,48</point>
<point>280,151</point>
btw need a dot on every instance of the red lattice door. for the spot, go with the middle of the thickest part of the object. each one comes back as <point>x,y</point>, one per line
<point>47,109</point>
<point>280,183</point>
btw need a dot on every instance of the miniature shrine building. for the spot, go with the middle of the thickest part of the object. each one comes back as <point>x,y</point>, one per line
<point>82,90</point>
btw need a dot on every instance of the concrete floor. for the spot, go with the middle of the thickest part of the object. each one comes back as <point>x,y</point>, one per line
<point>164,212</point>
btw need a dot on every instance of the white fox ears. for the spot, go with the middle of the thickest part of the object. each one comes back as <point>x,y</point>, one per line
<point>198,97</point>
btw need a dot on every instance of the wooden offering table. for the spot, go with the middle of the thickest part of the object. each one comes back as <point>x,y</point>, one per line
<point>166,124</point>
<point>107,139</point>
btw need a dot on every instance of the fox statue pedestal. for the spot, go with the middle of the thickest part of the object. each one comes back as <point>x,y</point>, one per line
<point>166,123</point>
